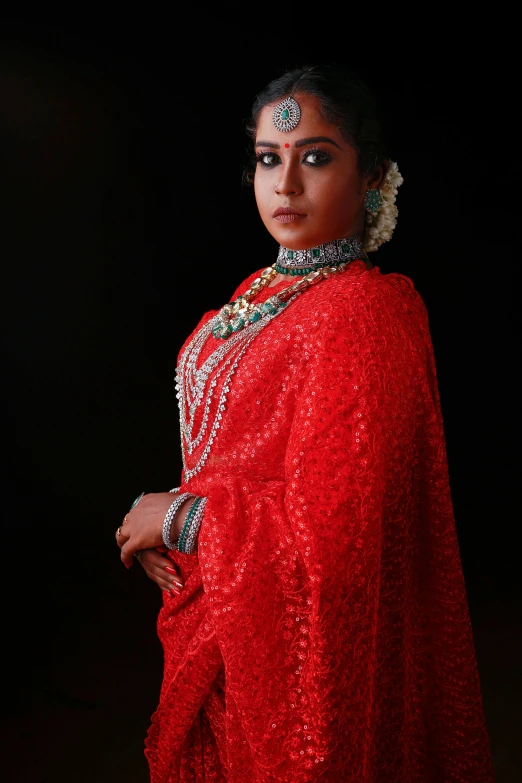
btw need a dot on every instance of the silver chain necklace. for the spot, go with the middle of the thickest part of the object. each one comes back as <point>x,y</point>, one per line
<point>192,382</point>
<point>196,387</point>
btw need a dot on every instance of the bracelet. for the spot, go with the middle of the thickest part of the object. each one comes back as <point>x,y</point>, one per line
<point>186,525</point>
<point>176,489</point>
<point>190,544</point>
<point>187,538</point>
<point>169,517</point>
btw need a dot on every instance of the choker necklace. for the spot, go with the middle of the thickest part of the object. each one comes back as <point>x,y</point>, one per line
<point>300,262</point>
<point>311,265</point>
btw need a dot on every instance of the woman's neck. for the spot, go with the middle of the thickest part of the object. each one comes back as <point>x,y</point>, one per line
<point>278,278</point>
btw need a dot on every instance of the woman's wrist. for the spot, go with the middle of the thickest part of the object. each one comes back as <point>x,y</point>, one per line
<point>169,521</point>
<point>182,522</point>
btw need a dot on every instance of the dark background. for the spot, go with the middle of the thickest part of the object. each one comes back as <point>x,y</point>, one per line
<point>125,219</point>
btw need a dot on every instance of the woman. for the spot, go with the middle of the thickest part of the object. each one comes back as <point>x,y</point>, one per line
<point>315,621</point>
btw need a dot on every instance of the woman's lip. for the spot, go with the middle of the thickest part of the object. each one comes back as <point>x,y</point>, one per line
<point>286,211</point>
<point>288,217</point>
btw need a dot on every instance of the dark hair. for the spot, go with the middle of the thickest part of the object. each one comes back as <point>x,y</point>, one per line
<point>344,101</point>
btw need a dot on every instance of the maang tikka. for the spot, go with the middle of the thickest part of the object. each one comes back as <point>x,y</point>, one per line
<point>286,115</point>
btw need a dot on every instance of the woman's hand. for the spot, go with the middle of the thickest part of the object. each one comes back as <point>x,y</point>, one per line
<point>161,570</point>
<point>142,527</point>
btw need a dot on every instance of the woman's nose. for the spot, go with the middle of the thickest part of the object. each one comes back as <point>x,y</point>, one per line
<point>289,182</point>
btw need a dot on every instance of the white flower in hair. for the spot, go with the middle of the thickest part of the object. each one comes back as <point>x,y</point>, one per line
<point>379,227</point>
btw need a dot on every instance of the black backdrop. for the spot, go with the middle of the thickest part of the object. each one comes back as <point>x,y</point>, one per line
<point>125,219</point>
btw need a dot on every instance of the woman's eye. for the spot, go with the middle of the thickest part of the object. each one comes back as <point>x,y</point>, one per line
<point>316,157</point>
<point>267,158</point>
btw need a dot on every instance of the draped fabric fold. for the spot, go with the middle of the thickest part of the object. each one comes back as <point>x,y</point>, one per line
<point>324,632</point>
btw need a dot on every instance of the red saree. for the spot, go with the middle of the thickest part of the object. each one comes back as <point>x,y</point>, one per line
<point>324,633</point>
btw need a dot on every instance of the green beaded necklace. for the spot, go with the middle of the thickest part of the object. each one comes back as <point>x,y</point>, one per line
<point>332,257</point>
<point>302,271</point>
<point>235,316</point>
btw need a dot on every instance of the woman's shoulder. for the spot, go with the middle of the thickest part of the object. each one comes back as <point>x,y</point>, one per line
<point>368,293</point>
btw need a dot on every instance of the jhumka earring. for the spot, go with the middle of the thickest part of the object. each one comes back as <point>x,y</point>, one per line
<point>286,115</point>
<point>373,200</point>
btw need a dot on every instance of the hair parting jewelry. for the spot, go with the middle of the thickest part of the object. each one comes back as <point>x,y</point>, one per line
<point>286,115</point>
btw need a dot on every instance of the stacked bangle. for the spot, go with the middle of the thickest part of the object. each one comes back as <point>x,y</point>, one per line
<point>169,518</point>
<point>191,525</point>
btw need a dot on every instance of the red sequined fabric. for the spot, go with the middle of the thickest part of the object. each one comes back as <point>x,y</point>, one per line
<point>324,632</point>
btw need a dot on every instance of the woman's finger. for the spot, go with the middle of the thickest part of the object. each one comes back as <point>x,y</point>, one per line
<point>127,551</point>
<point>161,576</point>
<point>164,580</point>
<point>160,568</point>
<point>121,536</point>
<point>171,591</point>
<point>152,557</point>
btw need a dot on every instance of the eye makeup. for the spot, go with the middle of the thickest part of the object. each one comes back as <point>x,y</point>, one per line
<point>269,159</point>
<point>260,158</point>
<point>321,157</point>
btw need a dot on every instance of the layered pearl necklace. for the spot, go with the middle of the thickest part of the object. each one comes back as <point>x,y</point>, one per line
<point>237,324</point>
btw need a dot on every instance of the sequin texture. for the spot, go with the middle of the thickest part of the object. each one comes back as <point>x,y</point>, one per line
<point>323,633</point>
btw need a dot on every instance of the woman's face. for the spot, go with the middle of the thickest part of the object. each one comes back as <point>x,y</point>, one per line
<point>310,173</point>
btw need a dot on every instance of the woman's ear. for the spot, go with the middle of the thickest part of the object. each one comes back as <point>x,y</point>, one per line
<point>376,180</point>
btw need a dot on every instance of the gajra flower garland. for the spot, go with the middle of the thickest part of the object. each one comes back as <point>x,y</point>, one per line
<point>380,225</point>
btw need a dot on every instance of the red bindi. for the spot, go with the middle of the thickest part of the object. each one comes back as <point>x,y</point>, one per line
<point>287,145</point>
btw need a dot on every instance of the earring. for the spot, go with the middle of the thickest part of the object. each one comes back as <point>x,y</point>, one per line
<point>373,200</point>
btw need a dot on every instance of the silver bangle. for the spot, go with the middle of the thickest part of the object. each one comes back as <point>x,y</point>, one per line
<point>176,489</point>
<point>190,545</point>
<point>169,517</point>
<point>187,539</point>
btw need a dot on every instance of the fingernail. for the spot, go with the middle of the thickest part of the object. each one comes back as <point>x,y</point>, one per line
<point>174,580</point>
<point>170,570</point>
<point>175,590</point>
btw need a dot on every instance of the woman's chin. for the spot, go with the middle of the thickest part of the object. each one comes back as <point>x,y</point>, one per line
<point>293,235</point>
<point>297,235</point>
